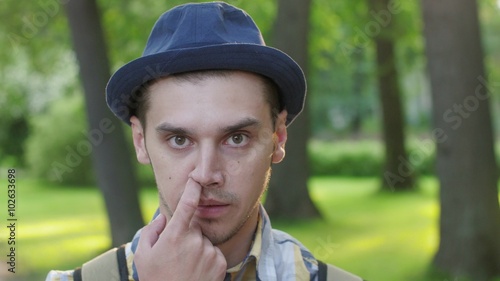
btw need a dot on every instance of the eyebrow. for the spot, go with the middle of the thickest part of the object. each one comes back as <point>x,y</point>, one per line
<point>246,122</point>
<point>167,127</point>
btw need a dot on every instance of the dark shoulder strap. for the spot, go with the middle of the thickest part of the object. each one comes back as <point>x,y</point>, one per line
<point>321,271</point>
<point>77,274</point>
<point>122,263</point>
<point>110,266</point>
<point>328,272</point>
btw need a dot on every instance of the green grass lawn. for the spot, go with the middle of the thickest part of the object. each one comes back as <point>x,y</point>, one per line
<point>380,236</point>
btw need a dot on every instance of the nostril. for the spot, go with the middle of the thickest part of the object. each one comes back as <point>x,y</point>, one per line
<point>211,185</point>
<point>209,180</point>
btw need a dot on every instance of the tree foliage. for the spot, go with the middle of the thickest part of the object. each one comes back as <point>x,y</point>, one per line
<point>57,149</point>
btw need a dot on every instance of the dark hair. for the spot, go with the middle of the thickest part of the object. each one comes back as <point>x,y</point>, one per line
<point>269,87</point>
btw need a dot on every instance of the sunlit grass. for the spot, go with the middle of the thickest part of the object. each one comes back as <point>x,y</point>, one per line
<point>380,236</point>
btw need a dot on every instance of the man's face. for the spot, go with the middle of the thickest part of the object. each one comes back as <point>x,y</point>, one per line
<point>219,132</point>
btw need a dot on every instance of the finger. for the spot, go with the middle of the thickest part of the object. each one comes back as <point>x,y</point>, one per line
<point>186,208</point>
<point>151,232</point>
<point>220,264</point>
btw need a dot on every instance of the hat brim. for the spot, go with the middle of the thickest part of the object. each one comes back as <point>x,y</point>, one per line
<point>122,88</point>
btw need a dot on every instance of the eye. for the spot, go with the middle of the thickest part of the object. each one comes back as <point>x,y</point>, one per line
<point>179,142</point>
<point>237,140</point>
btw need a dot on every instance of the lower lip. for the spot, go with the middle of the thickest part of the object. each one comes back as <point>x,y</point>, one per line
<point>212,211</point>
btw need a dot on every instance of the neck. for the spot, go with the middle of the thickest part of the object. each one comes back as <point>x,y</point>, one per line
<point>237,248</point>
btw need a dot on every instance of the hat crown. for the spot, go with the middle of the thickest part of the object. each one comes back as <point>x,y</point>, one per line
<point>202,24</point>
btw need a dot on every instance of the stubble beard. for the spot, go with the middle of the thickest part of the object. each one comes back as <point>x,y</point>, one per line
<point>221,238</point>
<point>212,224</point>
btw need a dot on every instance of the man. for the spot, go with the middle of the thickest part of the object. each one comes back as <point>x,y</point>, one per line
<point>209,105</point>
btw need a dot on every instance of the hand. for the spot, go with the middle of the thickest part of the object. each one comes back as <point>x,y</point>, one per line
<point>177,250</point>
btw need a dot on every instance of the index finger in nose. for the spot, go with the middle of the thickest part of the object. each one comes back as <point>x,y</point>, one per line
<point>186,207</point>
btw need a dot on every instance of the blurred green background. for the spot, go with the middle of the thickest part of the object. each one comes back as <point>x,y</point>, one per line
<point>363,226</point>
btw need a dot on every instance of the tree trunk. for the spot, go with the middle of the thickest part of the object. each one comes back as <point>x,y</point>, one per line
<point>359,78</point>
<point>288,195</point>
<point>399,172</point>
<point>470,215</point>
<point>110,152</point>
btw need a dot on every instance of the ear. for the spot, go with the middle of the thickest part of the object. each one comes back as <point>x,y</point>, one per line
<point>138,135</point>
<point>280,137</point>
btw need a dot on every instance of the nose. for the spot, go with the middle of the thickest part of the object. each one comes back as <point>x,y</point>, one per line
<point>207,168</point>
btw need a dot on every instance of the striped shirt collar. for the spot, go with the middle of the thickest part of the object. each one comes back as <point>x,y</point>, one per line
<point>273,254</point>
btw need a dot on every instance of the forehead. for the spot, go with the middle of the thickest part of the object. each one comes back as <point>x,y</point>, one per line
<point>211,100</point>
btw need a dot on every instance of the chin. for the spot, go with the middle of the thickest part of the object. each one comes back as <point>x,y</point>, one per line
<point>218,238</point>
<point>219,233</point>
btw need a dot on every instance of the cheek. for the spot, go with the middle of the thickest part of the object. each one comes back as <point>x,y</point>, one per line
<point>167,167</point>
<point>249,166</point>
<point>170,176</point>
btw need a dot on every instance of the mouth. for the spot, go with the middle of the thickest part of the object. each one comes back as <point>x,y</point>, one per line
<point>211,208</point>
<point>211,202</point>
